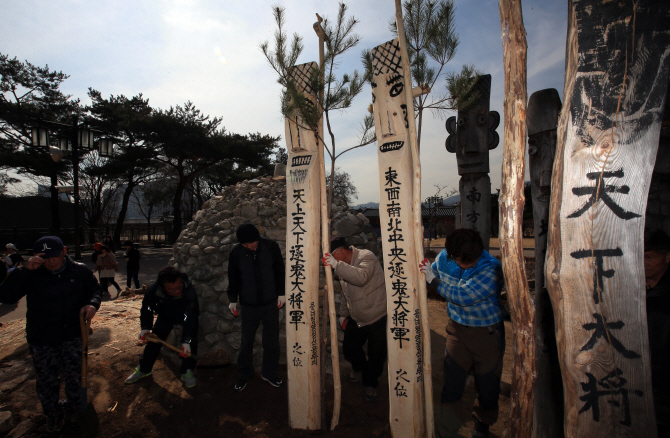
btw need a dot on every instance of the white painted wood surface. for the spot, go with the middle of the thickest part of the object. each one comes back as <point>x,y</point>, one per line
<point>405,360</point>
<point>302,266</point>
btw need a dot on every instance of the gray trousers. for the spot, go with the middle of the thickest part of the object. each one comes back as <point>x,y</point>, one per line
<point>49,361</point>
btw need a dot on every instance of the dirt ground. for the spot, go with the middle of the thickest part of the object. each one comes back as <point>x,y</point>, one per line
<point>161,406</point>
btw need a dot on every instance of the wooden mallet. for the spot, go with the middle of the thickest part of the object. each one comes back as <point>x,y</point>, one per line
<point>153,338</point>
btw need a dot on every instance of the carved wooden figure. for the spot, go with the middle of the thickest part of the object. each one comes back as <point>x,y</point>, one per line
<point>405,362</point>
<point>303,252</point>
<point>471,136</point>
<point>544,107</point>
<point>617,64</point>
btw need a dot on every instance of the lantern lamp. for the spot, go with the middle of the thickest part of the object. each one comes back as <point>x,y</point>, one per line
<point>40,137</point>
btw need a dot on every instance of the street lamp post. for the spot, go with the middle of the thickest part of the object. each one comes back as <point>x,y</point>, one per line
<point>80,138</point>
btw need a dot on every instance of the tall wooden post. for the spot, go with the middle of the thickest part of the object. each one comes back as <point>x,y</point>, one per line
<point>511,214</point>
<point>617,64</point>
<point>302,267</point>
<point>405,360</point>
<point>421,290</point>
<point>544,106</point>
<point>471,138</point>
<point>329,291</point>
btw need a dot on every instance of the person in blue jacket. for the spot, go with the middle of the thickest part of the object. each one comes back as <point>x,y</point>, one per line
<point>470,279</point>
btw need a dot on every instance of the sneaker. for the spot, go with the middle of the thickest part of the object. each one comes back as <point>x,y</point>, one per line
<point>355,376</point>
<point>188,378</point>
<point>276,382</point>
<point>240,385</point>
<point>136,375</point>
<point>54,423</point>
<point>370,394</point>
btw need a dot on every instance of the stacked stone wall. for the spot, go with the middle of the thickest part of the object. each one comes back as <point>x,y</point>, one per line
<point>202,249</point>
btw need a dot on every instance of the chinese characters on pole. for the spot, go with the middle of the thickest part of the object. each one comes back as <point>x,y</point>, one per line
<point>302,265</point>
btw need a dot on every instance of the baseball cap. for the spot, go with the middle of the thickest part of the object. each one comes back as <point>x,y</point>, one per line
<point>51,246</point>
<point>11,246</point>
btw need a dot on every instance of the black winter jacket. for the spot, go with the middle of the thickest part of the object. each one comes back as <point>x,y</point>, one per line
<point>181,310</point>
<point>53,300</point>
<point>133,256</point>
<point>256,277</point>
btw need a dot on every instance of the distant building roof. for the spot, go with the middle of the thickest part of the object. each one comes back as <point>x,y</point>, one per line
<point>425,212</point>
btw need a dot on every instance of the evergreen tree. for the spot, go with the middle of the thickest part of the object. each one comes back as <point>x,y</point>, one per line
<point>30,95</point>
<point>333,93</point>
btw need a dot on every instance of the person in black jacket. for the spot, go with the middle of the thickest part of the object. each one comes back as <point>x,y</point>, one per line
<point>657,279</point>
<point>132,257</point>
<point>172,297</point>
<point>256,291</point>
<point>57,290</point>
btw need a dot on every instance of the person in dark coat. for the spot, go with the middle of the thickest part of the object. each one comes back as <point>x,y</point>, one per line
<point>13,259</point>
<point>256,291</point>
<point>657,279</point>
<point>172,297</point>
<point>132,257</point>
<point>57,291</point>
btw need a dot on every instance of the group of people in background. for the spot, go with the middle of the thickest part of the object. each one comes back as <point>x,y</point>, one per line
<point>58,290</point>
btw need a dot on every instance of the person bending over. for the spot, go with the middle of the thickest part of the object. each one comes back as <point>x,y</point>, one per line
<point>362,311</point>
<point>470,279</point>
<point>172,297</point>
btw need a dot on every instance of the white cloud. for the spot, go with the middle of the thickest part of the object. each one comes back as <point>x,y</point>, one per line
<point>207,52</point>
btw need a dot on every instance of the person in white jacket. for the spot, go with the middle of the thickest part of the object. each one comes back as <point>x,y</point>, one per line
<point>362,311</point>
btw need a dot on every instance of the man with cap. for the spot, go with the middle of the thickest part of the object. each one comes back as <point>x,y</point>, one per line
<point>362,311</point>
<point>256,292</point>
<point>57,291</point>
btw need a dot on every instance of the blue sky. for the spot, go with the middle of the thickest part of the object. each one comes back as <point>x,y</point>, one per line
<point>207,52</point>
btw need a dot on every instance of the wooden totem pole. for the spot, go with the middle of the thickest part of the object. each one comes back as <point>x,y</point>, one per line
<point>471,138</point>
<point>302,266</point>
<point>617,64</point>
<point>544,107</point>
<point>405,360</point>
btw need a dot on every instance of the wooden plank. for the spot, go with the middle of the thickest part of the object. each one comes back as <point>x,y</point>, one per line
<point>405,360</point>
<point>418,224</point>
<point>617,63</point>
<point>511,219</point>
<point>329,291</point>
<point>302,265</point>
<point>544,106</point>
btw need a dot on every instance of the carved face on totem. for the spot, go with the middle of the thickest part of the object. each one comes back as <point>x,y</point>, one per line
<point>298,136</point>
<point>474,134</point>
<point>542,114</point>
<point>388,86</point>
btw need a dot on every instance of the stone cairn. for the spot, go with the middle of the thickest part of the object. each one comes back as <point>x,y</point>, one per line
<point>202,249</point>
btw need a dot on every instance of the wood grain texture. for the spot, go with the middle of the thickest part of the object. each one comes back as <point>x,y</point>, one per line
<point>617,63</point>
<point>329,291</point>
<point>418,227</point>
<point>544,107</point>
<point>405,359</point>
<point>511,218</point>
<point>302,266</point>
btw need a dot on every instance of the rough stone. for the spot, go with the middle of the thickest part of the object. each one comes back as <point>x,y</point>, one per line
<point>235,339</point>
<point>249,211</point>
<point>6,422</point>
